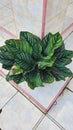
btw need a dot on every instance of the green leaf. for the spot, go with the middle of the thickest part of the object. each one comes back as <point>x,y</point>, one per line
<point>4,59</point>
<point>46,40</point>
<point>46,63</point>
<point>47,76</point>
<point>54,42</point>
<point>34,79</point>
<point>16,69</point>
<point>17,46</point>
<point>68,54</point>
<point>7,67</point>
<point>66,71</point>
<point>61,72</point>
<point>58,52</point>
<point>25,61</point>
<point>4,48</point>
<point>34,41</point>
<point>16,78</point>
<point>29,37</point>
<point>64,58</point>
<point>57,74</point>
<point>62,62</point>
<point>37,49</point>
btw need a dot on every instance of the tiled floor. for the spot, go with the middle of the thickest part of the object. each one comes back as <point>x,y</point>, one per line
<point>18,113</point>
<point>63,110</point>
<point>6,92</point>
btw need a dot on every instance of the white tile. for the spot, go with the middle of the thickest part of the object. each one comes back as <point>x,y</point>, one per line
<point>4,35</point>
<point>28,15</point>
<point>1,5</point>
<point>62,112</point>
<point>47,124</point>
<point>19,114</point>
<point>6,91</point>
<point>44,95</point>
<point>56,23</point>
<point>11,27</point>
<point>6,16</point>
<point>4,2</point>
<point>55,7</point>
<point>70,10</point>
<point>70,1</point>
<point>67,22</point>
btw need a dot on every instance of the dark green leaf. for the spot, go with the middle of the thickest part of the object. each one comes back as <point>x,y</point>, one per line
<point>47,76</point>
<point>61,72</point>
<point>64,58</point>
<point>4,59</point>
<point>17,46</point>
<point>34,79</point>
<point>46,40</point>
<point>16,78</point>
<point>29,37</point>
<point>34,41</point>
<point>8,67</point>
<point>46,63</point>
<point>58,52</point>
<point>54,42</point>
<point>25,61</point>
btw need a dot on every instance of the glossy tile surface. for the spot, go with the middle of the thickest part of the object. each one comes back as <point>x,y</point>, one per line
<point>31,15</point>
<point>44,95</point>
<point>6,91</point>
<point>19,114</point>
<point>48,125</point>
<point>62,112</point>
<point>5,16</point>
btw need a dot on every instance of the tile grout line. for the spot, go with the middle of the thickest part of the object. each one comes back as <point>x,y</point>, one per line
<point>69,90</point>
<point>68,35</point>
<point>29,98</point>
<point>44,8</point>
<point>51,119</point>
<point>8,101</point>
<point>3,6</point>
<point>38,122</point>
<point>55,122</point>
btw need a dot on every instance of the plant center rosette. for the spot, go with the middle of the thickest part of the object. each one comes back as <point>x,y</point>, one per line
<point>34,60</point>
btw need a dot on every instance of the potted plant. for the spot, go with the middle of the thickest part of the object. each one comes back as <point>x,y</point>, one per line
<point>34,60</point>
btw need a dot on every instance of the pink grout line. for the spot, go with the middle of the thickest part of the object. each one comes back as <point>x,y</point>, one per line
<point>43,18</point>
<point>41,107</point>
<point>70,26</point>
<point>8,32</point>
<point>58,94</point>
